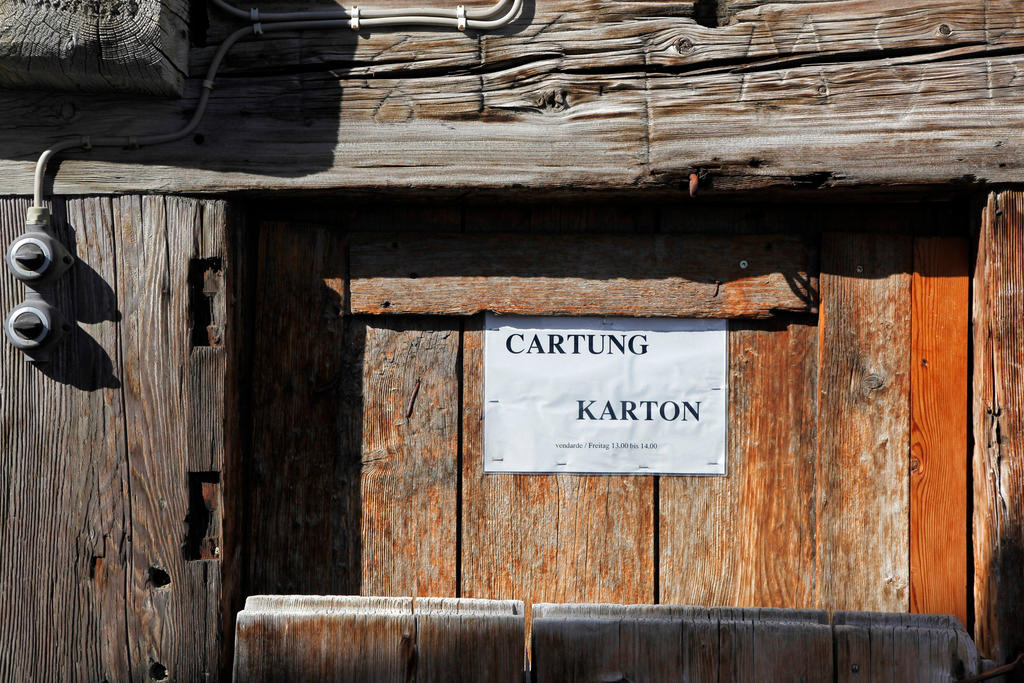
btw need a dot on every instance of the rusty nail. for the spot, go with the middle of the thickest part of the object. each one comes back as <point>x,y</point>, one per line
<point>694,181</point>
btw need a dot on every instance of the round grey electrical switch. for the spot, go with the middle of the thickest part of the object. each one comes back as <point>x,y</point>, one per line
<point>30,256</point>
<point>38,258</point>
<point>28,325</point>
<point>34,326</point>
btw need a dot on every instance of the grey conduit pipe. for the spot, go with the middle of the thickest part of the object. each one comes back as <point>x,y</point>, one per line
<point>496,16</point>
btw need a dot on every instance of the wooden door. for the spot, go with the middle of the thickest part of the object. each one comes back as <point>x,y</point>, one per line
<point>848,403</point>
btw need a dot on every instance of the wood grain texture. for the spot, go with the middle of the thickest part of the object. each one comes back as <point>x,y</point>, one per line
<point>410,473</point>
<point>173,604</point>
<point>538,538</point>
<point>998,398</point>
<point>642,643</point>
<point>460,639</point>
<point>748,539</point>
<point>630,642</point>
<point>901,647</point>
<point>109,45</point>
<point>65,519</point>
<point>309,406</point>
<point>607,96</point>
<point>313,638</point>
<point>307,418</point>
<point>108,424</point>
<point>939,378</point>
<point>696,277</point>
<point>306,639</point>
<point>770,645</point>
<point>862,476</point>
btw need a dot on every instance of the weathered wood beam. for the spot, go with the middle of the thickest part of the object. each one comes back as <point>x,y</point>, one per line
<point>592,97</point>
<point>139,46</point>
<point>998,397</point>
<point>679,276</point>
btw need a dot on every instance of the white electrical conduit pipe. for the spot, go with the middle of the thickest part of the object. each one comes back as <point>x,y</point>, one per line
<point>472,14</point>
<point>287,21</point>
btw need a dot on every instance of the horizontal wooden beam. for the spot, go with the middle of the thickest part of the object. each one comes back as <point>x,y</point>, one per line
<point>605,96</point>
<point>685,276</point>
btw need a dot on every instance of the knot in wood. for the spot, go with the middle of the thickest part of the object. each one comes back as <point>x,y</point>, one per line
<point>872,382</point>
<point>553,100</point>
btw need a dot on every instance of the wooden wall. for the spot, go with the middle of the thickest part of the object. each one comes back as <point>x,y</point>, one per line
<point>112,529</point>
<point>848,412</point>
<point>224,422</point>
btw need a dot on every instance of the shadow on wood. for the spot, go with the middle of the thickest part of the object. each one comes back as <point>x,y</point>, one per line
<point>82,297</point>
<point>303,487</point>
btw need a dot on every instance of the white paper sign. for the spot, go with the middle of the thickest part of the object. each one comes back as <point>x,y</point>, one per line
<point>605,395</point>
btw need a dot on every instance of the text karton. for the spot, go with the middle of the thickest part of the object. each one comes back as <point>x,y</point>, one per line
<point>605,395</point>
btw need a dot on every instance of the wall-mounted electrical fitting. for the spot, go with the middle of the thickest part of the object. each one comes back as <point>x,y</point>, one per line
<point>35,327</point>
<point>38,259</point>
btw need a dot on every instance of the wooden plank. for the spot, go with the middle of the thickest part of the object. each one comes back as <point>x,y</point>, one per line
<point>576,648</point>
<point>939,427</point>
<point>608,96</point>
<point>307,418</point>
<point>137,47</point>
<point>700,646</point>
<point>410,454</point>
<point>792,644</point>
<point>635,642</point>
<point>749,539</point>
<point>642,643</point>
<point>852,653</point>
<point>303,638</point>
<point>998,409</point>
<point>539,538</point>
<point>862,510</point>
<point>707,277</point>
<point>459,639</point>
<point>65,520</point>
<point>174,627</point>
<point>311,638</point>
<point>902,647</point>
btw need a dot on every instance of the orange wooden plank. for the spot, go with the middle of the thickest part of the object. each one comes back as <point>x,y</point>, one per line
<point>938,436</point>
